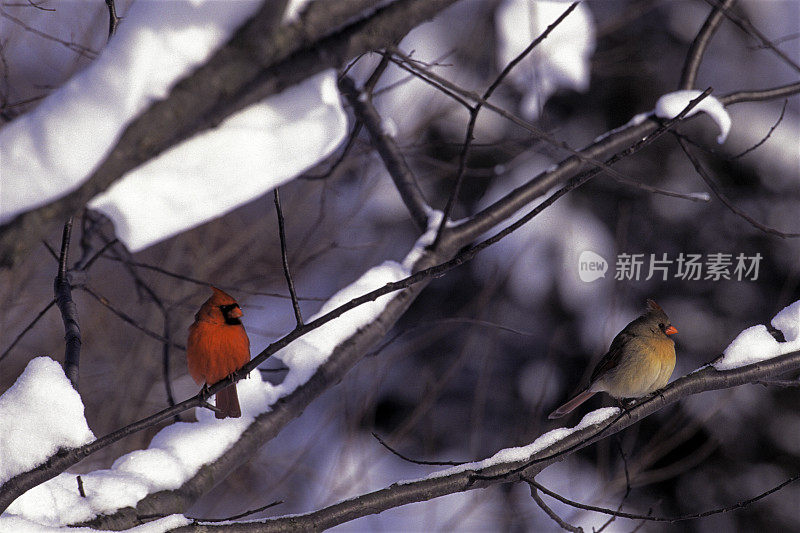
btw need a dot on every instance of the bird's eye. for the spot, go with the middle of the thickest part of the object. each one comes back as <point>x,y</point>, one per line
<point>661,325</point>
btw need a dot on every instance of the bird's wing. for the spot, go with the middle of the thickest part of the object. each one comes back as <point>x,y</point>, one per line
<point>612,357</point>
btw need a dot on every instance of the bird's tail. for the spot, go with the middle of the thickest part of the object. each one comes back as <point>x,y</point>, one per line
<point>572,404</point>
<point>228,403</point>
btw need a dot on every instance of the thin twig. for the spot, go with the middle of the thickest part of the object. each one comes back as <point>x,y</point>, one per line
<point>767,136</point>
<point>695,55</point>
<point>27,328</point>
<point>123,254</point>
<point>351,141</point>
<point>438,322</point>
<point>759,95</point>
<point>745,25</point>
<point>62,290</point>
<point>451,89</point>
<point>627,484</point>
<point>416,461</point>
<point>549,512</point>
<point>473,118</point>
<point>285,261</point>
<point>113,19</point>
<point>98,254</point>
<point>204,283</point>
<point>404,179</point>
<point>126,318</point>
<point>671,519</point>
<point>724,199</point>
<point>238,516</point>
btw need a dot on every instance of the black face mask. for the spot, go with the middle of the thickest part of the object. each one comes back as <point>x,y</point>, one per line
<point>226,313</point>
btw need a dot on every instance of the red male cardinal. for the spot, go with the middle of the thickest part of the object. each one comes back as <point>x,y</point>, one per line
<point>218,346</point>
<point>641,360</point>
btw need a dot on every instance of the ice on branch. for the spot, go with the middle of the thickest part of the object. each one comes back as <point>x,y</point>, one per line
<point>757,344</point>
<point>670,105</point>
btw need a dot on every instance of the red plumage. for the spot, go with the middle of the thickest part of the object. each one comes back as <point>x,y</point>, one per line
<point>218,346</point>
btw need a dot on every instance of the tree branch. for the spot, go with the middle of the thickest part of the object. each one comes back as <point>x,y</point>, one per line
<point>441,484</point>
<point>557,519</point>
<point>475,110</point>
<point>390,153</point>
<point>261,59</point>
<point>62,289</point>
<point>695,55</point>
<point>724,199</point>
<point>285,260</point>
<point>337,365</point>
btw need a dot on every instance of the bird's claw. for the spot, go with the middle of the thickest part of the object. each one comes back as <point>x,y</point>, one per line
<point>204,392</point>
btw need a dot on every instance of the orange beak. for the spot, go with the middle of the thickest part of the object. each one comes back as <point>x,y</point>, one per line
<point>671,330</point>
<point>236,312</point>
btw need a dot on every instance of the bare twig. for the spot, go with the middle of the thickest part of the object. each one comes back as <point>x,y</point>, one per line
<point>69,312</point>
<point>415,461</point>
<point>236,516</point>
<point>452,320</point>
<point>204,283</point>
<point>739,505</point>
<point>745,25</point>
<point>695,55</point>
<point>284,259</point>
<point>461,95</point>
<point>386,146</point>
<point>75,47</point>
<point>113,19</point>
<point>558,520</point>
<point>27,329</point>
<point>724,199</point>
<point>473,118</point>
<point>767,136</point>
<point>760,95</point>
<point>127,318</point>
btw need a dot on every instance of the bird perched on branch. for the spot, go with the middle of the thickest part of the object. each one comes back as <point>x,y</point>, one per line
<point>218,346</point>
<point>641,360</point>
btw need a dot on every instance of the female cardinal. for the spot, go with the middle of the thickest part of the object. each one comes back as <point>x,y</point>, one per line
<point>641,360</point>
<point>218,346</point>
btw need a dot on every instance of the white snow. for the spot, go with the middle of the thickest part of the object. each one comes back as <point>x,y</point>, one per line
<point>671,104</point>
<point>16,524</point>
<point>178,451</point>
<point>561,61</point>
<point>253,152</point>
<point>39,414</point>
<point>306,354</point>
<point>702,196</point>
<point>523,453</point>
<point>51,150</point>
<point>756,343</point>
<point>635,121</point>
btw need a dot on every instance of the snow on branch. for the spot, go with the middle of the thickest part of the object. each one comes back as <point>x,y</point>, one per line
<point>669,105</point>
<point>179,451</point>
<point>757,344</point>
<point>39,415</point>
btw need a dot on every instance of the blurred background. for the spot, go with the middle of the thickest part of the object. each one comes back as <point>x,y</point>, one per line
<point>488,350</point>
